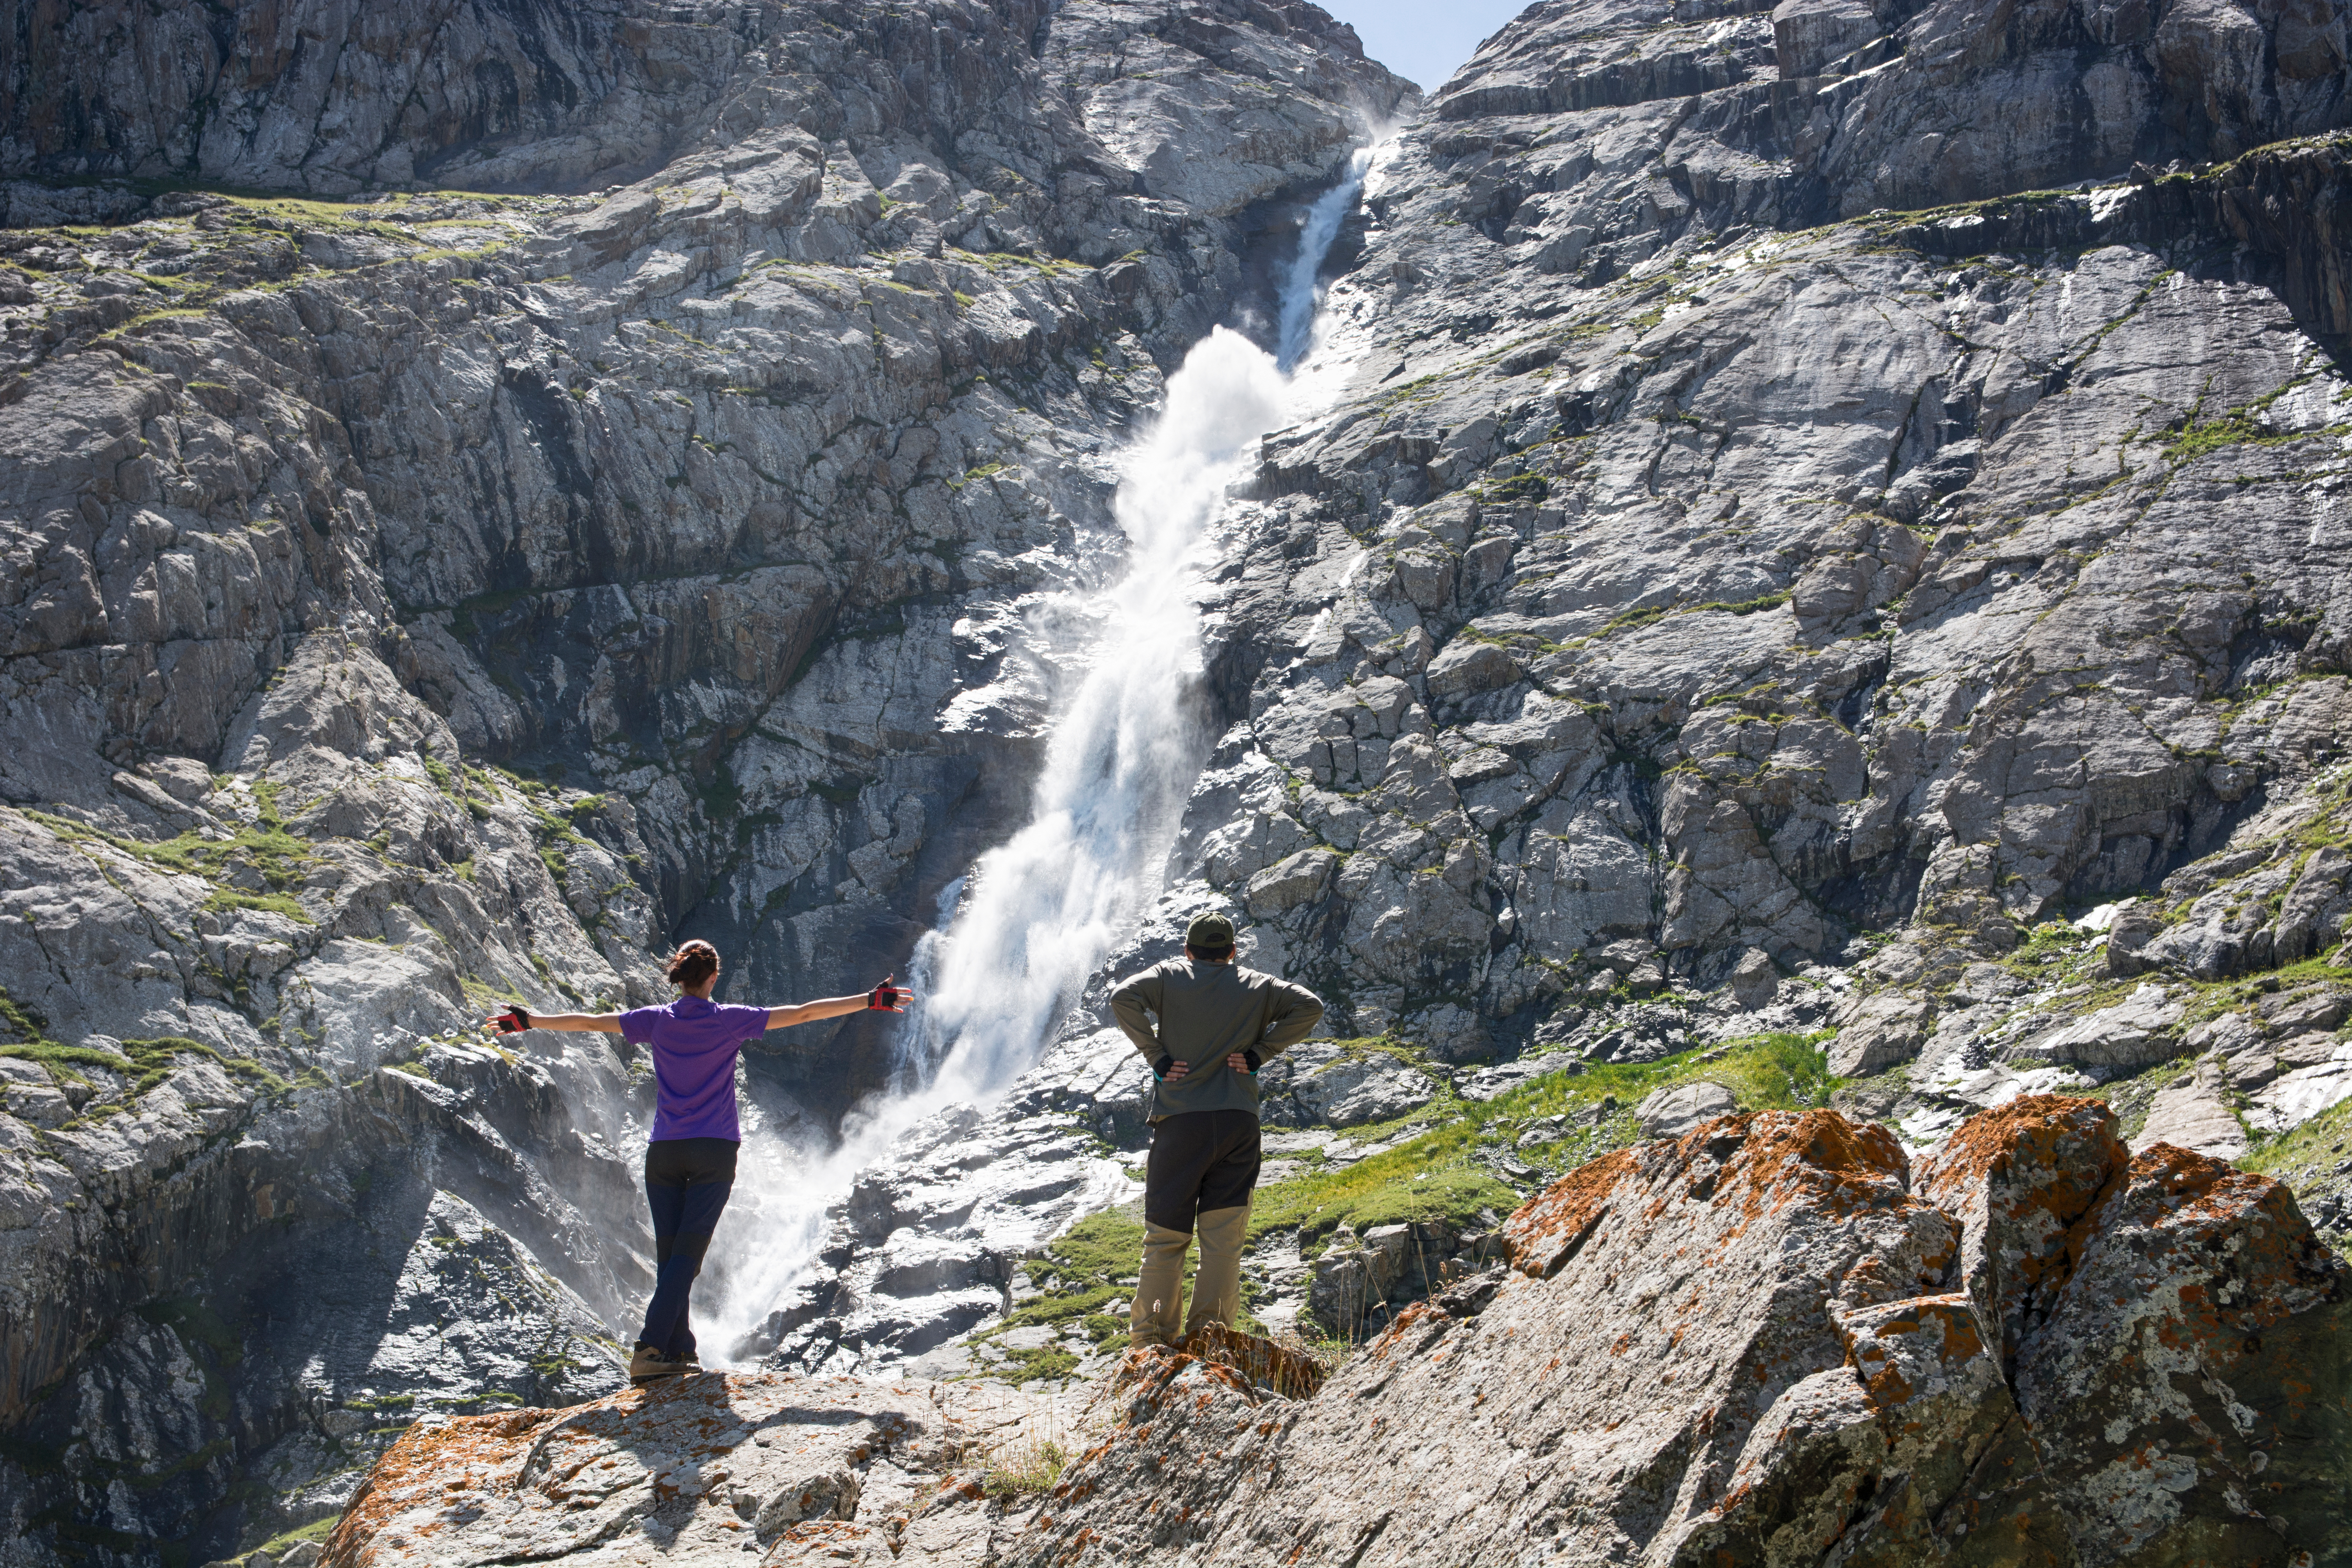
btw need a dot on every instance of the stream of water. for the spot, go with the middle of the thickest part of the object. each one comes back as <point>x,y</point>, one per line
<point>1021,933</point>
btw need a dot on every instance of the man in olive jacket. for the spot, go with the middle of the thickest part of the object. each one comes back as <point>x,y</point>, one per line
<point>1218,1025</point>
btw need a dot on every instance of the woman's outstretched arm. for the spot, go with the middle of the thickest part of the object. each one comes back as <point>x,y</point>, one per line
<point>514,1020</point>
<point>886,997</point>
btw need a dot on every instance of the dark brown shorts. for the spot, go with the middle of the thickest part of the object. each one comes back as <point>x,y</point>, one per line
<point>1201,1160</point>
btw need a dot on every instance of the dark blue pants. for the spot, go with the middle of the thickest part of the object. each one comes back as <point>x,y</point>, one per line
<point>687,1183</point>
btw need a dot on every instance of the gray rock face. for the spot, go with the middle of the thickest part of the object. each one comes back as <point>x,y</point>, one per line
<point>1877,1032</point>
<point>1635,598</point>
<point>2194,1113</point>
<point>1316,1083</point>
<point>2136,1031</point>
<point>807,1471</point>
<point>447,597</point>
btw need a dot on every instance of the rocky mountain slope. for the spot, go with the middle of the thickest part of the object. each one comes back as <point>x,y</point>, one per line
<point>490,494</point>
<point>1773,1340</point>
<point>441,596</point>
<point>1717,605</point>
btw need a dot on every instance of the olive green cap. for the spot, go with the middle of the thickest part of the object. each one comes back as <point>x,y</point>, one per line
<point>1209,932</point>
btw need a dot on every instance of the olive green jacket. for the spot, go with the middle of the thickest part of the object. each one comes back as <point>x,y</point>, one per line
<point>1208,1011</point>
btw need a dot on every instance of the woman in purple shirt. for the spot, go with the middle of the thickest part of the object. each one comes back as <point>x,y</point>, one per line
<point>690,1158</point>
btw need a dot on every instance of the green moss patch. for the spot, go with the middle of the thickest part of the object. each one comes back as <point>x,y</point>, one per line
<point>317,1529</point>
<point>154,1060</point>
<point>272,903</point>
<point>278,854</point>
<point>1439,1175</point>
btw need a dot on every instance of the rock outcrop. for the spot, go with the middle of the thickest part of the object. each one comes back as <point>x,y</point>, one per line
<point>1769,1340</point>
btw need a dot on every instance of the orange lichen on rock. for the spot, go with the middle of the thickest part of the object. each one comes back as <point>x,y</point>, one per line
<point>426,1460</point>
<point>1545,1232</point>
<point>1906,1348</point>
<point>1819,1157</point>
<point>2023,1180</point>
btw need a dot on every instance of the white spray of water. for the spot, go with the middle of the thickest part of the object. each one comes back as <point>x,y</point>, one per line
<point>1301,295</point>
<point>1036,916</point>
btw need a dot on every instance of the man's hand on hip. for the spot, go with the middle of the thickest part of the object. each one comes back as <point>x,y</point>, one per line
<point>1237,1061</point>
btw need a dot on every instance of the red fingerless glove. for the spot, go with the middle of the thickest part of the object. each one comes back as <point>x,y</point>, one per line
<point>886,997</point>
<point>513,1021</point>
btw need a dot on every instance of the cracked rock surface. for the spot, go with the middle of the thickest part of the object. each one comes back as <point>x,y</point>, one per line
<point>1771,1339</point>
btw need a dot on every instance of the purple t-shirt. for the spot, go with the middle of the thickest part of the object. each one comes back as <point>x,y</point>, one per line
<point>695,1044</point>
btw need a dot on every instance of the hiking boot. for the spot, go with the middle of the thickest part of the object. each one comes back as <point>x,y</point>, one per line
<point>649,1363</point>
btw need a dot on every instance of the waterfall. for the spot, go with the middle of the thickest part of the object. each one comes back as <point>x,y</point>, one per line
<point>1021,933</point>
<point>1301,295</point>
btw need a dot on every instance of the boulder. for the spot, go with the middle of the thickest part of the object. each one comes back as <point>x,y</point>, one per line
<point>2129,932</point>
<point>1671,1112</point>
<point>2137,1032</point>
<point>1487,1083</point>
<point>705,1467</point>
<point>1756,980</point>
<point>1318,1084</point>
<point>2185,1388</point>
<point>2195,1114</point>
<point>1876,1033</point>
<point>1299,879</point>
<point>2016,1178</point>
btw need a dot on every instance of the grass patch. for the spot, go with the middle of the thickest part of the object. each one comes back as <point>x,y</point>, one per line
<point>1436,1175</point>
<point>1029,1470</point>
<point>1099,1250</point>
<point>317,1529</point>
<point>1081,1271</point>
<point>268,849</point>
<point>62,1059</point>
<point>1400,1187</point>
<point>271,903</point>
<point>154,1060</point>
<point>2309,1152</point>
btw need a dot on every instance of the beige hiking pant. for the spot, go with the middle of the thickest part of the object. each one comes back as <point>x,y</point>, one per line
<point>1159,1308</point>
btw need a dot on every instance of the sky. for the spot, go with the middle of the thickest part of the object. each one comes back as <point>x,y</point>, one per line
<point>1423,39</point>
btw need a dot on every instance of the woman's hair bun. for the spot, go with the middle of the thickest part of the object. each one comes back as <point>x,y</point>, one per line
<point>694,962</point>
